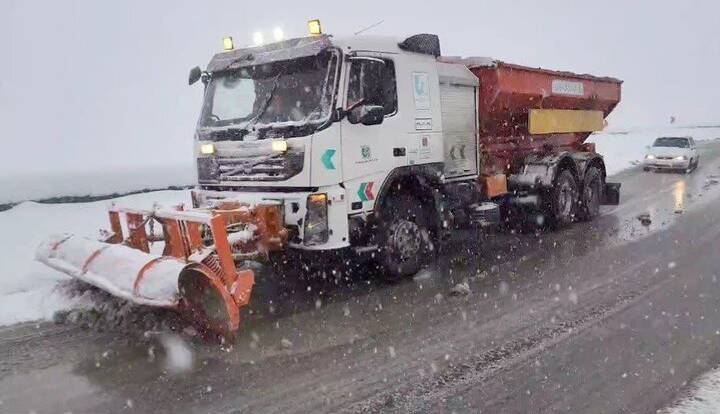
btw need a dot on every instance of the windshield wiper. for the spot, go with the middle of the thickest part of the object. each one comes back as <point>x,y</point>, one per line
<point>223,134</point>
<point>265,104</point>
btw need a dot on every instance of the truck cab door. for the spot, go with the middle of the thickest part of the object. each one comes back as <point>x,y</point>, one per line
<point>371,131</point>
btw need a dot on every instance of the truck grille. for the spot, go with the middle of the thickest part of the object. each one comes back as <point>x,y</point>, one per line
<point>272,167</point>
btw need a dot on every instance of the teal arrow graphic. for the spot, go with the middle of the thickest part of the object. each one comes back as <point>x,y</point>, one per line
<point>365,191</point>
<point>361,192</point>
<point>327,159</point>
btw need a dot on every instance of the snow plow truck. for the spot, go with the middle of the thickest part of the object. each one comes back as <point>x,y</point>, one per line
<point>376,146</point>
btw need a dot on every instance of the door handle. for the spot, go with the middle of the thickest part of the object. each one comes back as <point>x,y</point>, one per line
<point>399,152</point>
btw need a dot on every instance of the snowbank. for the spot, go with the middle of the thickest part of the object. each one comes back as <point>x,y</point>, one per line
<point>703,399</point>
<point>39,186</point>
<point>623,149</point>
<point>28,288</point>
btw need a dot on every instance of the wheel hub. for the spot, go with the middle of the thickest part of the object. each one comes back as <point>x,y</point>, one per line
<point>406,239</point>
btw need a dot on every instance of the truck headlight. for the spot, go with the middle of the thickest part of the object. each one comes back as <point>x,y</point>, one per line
<point>316,220</point>
<point>681,158</point>
<point>207,149</point>
<point>279,145</point>
<point>649,157</point>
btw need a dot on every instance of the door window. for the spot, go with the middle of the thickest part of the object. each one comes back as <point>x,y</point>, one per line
<point>373,80</point>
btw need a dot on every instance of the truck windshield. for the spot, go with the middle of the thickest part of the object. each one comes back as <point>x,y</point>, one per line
<point>671,142</point>
<point>281,94</point>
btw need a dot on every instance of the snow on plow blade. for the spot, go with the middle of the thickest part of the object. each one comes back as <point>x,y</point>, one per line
<point>196,272</point>
<point>119,270</point>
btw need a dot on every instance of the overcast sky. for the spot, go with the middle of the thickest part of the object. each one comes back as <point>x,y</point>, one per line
<point>96,84</point>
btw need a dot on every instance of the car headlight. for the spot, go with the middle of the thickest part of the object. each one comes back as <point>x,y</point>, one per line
<point>649,157</point>
<point>681,158</point>
<point>316,220</point>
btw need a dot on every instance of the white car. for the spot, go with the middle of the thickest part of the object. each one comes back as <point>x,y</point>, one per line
<point>672,153</point>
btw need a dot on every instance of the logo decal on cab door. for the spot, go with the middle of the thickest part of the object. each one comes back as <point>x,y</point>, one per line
<point>366,155</point>
<point>365,192</point>
<point>365,152</point>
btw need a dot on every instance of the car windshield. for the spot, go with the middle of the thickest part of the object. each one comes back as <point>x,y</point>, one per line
<point>671,142</point>
<point>286,93</point>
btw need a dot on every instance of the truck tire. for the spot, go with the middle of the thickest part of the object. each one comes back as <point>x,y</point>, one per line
<point>591,194</point>
<point>563,199</point>
<point>405,238</point>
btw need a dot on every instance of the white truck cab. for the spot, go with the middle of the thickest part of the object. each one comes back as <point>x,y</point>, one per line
<point>343,132</point>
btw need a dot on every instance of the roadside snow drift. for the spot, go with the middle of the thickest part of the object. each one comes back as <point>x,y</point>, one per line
<point>16,188</point>
<point>704,397</point>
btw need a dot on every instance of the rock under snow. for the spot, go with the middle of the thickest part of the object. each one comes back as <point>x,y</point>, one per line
<point>644,219</point>
<point>461,289</point>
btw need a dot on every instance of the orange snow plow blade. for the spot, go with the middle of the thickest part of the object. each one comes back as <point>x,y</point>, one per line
<point>196,271</point>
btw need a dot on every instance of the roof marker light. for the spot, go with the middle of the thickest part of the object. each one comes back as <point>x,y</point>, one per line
<point>278,34</point>
<point>228,43</point>
<point>314,27</point>
<point>258,38</point>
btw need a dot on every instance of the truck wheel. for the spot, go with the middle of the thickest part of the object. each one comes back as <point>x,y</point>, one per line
<point>406,240</point>
<point>590,198</point>
<point>563,199</point>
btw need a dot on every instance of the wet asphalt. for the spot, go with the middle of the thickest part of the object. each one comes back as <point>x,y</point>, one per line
<point>611,316</point>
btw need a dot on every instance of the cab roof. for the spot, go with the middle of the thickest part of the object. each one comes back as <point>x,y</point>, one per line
<point>312,45</point>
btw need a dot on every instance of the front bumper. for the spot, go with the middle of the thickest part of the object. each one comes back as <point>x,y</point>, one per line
<point>294,208</point>
<point>670,164</point>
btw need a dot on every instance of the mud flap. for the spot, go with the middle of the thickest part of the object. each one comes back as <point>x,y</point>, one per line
<point>611,194</point>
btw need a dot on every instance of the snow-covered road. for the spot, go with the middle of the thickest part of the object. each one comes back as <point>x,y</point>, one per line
<point>608,316</point>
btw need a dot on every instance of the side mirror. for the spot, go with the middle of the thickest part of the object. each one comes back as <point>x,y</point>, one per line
<point>647,147</point>
<point>367,115</point>
<point>195,75</point>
